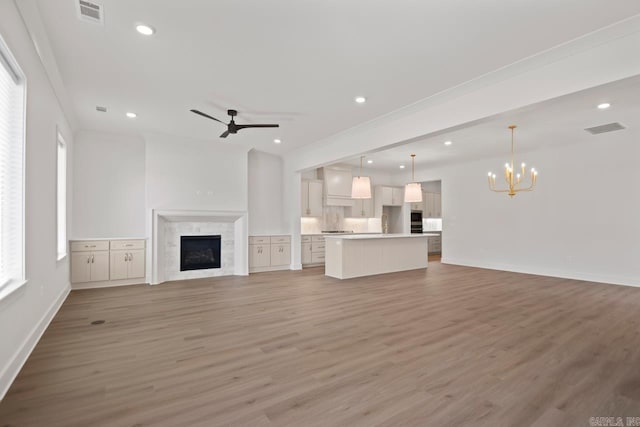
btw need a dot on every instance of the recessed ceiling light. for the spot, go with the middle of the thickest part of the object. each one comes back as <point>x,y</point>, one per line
<point>132,115</point>
<point>360,99</point>
<point>604,106</point>
<point>369,161</point>
<point>277,141</point>
<point>145,30</point>
<point>401,166</point>
<point>448,143</point>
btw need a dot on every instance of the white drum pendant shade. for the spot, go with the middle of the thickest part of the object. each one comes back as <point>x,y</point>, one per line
<point>413,192</point>
<point>361,187</point>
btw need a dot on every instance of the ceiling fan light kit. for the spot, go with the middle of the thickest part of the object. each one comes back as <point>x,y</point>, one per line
<point>232,126</point>
<point>513,180</point>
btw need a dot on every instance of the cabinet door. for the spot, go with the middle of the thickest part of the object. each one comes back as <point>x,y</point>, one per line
<point>280,255</point>
<point>304,198</point>
<point>306,253</point>
<point>437,205</point>
<point>259,256</point>
<point>99,266</point>
<point>118,265</point>
<point>387,196</point>
<point>367,207</point>
<point>136,265</point>
<point>80,267</point>
<point>428,205</point>
<point>315,198</point>
<point>397,195</point>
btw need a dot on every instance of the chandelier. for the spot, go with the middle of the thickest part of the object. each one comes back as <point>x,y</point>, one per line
<point>513,181</point>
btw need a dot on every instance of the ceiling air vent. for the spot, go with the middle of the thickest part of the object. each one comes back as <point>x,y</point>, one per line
<point>90,12</point>
<point>101,109</point>
<point>610,127</point>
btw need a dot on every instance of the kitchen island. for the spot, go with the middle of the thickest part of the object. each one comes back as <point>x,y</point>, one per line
<point>348,256</point>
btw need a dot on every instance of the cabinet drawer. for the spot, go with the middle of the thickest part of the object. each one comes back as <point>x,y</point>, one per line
<point>127,244</point>
<point>317,238</point>
<point>280,239</point>
<point>259,240</point>
<point>306,239</point>
<point>318,247</point>
<point>90,245</point>
<point>317,257</point>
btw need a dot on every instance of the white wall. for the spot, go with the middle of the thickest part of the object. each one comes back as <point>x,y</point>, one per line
<point>25,313</point>
<point>265,194</point>
<point>580,222</point>
<point>109,185</point>
<point>182,173</point>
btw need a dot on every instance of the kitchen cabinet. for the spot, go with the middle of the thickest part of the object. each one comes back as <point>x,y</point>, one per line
<point>362,208</point>
<point>337,186</point>
<point>311,198</point>
<point>432,205</point>
<point>389,196</point>
<point>269,253</point>
<point>312,250</point>
<point>397,196</point>
<point>434,245</point>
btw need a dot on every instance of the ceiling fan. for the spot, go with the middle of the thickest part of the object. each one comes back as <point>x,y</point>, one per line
<point>232,127</point>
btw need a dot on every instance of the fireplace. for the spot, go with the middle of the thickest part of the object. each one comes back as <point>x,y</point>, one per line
<point>199,252</point>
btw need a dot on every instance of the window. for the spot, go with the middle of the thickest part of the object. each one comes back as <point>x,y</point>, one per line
<point>12,117</point>
<point>61,193</point>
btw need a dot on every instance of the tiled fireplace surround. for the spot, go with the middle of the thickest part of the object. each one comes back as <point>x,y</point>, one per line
<point>169,225</point>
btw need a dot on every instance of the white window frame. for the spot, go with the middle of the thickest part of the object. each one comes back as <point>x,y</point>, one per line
<point>61,205</point>
<point>8,62</point>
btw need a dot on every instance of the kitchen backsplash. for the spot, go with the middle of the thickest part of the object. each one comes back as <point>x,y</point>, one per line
<point>333,219</point>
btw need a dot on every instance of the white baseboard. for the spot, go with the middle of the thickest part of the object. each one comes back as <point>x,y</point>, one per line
<point>11,371</point>
<point>107,284</point>
<point>563,274</point>
<point>263,269</point>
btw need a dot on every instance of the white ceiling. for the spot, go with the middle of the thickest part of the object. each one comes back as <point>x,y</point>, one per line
<point>299,63</point>
<point>556,122</point>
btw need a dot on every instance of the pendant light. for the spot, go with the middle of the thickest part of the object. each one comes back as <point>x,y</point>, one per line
<point>413,190</point>
<point>361,185</point>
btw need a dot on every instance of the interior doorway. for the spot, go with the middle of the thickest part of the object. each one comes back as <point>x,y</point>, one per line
<point>432,216</point>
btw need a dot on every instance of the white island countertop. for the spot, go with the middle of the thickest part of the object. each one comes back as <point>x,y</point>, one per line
<point>378,236</point>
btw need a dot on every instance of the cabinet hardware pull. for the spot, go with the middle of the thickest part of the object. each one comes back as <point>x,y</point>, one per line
<point>92,258</point>
<point>130,257</point>
<point>88,259</point>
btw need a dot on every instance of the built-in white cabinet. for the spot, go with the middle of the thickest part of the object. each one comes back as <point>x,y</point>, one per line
<point>337,186</point>
<point>269,253</point>
<point>312,250</point>
<point>397,196</point>
<point>127,259</point>
<point>362,208</point>
<point>99,263</point>
<point>435,245</point>
<point>389,196</point>
<point>311,198</point>
<point>432,205</point>
<point>89,266</point>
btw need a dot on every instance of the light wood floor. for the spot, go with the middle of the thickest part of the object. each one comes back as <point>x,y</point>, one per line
<point>451,346</point>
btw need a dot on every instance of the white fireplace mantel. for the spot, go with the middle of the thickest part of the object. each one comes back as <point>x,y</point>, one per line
<point>161,217</point>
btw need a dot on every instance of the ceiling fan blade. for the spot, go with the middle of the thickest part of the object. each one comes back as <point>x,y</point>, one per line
<point>207,116</point>
<point>256,126</point>
<point>225,134</point>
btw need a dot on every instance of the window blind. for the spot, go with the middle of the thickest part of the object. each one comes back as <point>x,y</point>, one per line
<point>11,171</point>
